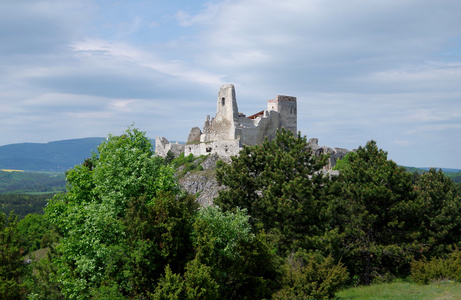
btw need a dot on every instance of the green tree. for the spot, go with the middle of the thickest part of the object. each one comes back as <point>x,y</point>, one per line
<point>158,235</point>
<point>90,216</point>
<point>13,271</point>
<point>438,211</point>
<point>371,214</point>
<point>32,229</point>
<point>46,283</point>
<point>280,185</point>
<point>230,261</point>
<point>169,157</point>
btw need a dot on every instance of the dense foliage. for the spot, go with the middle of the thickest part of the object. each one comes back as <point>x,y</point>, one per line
<point>91,216</point>
<point>437,268</point>
<point>375,217</point>
<point>283,228</point>
<point>13,271</point>
<point>279,184</point>
<point>35,232</point>
<point>311,276</point>
<point>379,239</point>
<point>23,204</point>
<point>127,231</point>
<point>438,210</point>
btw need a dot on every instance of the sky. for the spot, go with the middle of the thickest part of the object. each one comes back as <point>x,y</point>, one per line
<point>383,70</point>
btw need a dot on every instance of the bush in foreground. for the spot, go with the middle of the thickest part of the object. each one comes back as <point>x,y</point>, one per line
<point>311,276</point>
<point>423,271</point>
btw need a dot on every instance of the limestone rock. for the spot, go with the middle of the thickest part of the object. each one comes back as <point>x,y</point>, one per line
<point>203,184</point>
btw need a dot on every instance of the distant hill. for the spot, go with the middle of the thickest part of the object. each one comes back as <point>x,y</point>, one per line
<point>454,174</point>
<point>445,170</point>
<point>57,156</point>
<point>422,170</point>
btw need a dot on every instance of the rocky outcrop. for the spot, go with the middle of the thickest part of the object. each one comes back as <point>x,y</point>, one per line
<point>205,186</point>
<point>203,183</point>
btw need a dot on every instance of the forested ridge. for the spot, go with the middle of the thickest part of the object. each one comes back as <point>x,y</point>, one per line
<point>55,156</point>
<point>12,182</point>
<point>281,229</point>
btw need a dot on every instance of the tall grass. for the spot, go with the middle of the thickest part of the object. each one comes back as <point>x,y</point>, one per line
<point>403,291</point>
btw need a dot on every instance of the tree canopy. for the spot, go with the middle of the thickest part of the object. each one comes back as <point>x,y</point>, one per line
<point>282,228</point>
<point>91,215</point>
<point>280,184</point>
<point>372,202</point>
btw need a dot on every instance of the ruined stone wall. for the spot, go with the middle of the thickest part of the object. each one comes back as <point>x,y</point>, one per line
<point>335,153</point>
<point>288,113</point>
<point>162,146</point>
<point>254,131</point>
<point>224,148</point>
<point>229,130</point>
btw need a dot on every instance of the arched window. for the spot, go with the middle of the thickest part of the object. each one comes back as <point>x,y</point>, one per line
<point>223,101</point>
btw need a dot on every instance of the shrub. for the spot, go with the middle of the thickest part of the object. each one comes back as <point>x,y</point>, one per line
<point>185,164</point>
<point>196,284</point>
<point>219,163</point>
<point>423,271</point>
<point>311,276</point>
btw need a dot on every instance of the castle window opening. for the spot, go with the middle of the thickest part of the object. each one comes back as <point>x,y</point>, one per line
<point>223,101</point>
<point>208,149</point>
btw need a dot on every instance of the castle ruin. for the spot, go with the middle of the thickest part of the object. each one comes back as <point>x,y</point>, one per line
<point>229,130</point>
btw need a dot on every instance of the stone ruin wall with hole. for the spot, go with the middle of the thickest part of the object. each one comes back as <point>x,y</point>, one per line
<point>229,130</point>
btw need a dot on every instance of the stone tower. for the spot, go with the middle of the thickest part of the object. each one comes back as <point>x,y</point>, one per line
<point>229,130</point>
<point>226,108</point>
<point>287,108</point>
<point>223,125</point>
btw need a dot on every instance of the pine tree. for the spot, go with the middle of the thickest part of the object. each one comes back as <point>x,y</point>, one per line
<point>438,209</point>
<point>372,206</point>
<point>280,185</point>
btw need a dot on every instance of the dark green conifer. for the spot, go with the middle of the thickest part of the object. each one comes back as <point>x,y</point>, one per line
<point>280,185</point>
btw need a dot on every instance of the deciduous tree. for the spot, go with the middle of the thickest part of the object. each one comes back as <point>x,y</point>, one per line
<point>90,216</point>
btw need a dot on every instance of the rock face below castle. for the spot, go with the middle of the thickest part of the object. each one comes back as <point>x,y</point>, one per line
<point>229,130</point>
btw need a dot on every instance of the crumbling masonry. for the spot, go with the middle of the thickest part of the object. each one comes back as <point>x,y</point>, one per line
<point>229,130</point>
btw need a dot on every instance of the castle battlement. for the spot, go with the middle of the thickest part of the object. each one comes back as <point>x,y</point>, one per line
<point>229,130</point>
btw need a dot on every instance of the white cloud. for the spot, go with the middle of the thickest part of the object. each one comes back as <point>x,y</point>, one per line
<point>97,49</point>
<point>383,70</point>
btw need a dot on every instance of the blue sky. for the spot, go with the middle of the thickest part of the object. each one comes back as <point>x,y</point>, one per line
<point>385,70</point>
